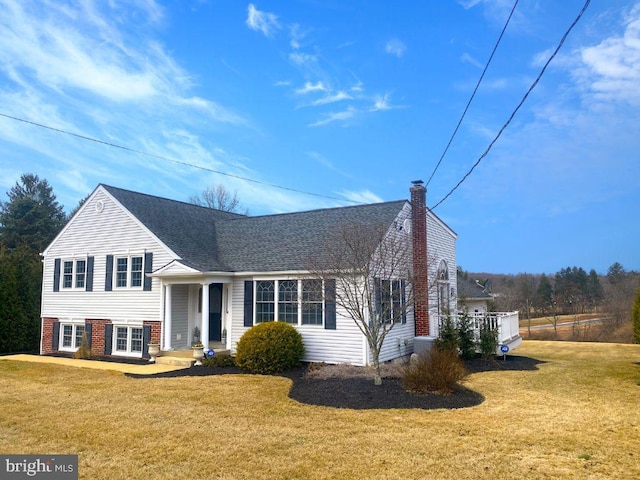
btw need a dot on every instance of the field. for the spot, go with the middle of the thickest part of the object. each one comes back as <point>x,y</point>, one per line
<point>577,416</point>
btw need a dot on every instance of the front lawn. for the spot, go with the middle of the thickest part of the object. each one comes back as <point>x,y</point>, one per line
<point>576,416</point>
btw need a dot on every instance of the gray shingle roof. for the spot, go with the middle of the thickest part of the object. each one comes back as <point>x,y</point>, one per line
<point>212,240</point>
<point>468,289</point>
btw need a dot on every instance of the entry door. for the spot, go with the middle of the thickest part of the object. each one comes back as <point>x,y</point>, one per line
<point>215,312</point>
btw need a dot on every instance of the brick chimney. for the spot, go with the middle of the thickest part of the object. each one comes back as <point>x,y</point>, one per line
<point>420,273</point>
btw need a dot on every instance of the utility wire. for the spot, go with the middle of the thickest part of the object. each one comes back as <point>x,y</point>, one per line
<point>179,162</point>
<point>474,92</point>
<point>526,95</point>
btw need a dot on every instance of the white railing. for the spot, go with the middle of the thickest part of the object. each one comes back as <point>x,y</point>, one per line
<point>507,324</point>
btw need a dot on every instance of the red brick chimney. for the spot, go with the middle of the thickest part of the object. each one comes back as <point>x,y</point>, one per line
<point>420,273</point>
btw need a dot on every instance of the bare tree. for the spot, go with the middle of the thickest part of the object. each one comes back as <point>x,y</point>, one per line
<point>371,266</point>
<point>218,197</point>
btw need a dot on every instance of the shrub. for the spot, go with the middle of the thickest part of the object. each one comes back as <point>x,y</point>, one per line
<point>219,360</point>
<point>83,351</point>
<point>635,314</point>
<point>488,340</point>
<point>269,347</point>
<point>448,338</point>
<point>437,371</point>
<point>466,337</point>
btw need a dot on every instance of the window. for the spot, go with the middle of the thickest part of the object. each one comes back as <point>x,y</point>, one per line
<point>129,271</point>
<point>71,336</point>
<point>443,288</point>
<point>265,311</point>
<point>288,301</point>
<point>128,340</point>
<point>67,275</point>
<point>299,302</point>
<point>390,300</point>
<point>312,302</point>
<point>136,271</point>
<point>81,271</point>
<point>74,273</point>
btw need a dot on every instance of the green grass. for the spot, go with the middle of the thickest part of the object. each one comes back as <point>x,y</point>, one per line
<point>575,417</point>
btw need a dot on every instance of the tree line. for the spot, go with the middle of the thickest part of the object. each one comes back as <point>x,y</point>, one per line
<point>570,291</point>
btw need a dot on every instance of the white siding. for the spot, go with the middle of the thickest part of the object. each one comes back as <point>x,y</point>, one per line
<point>345,344</point>
<point>179,316</point>
<point>98,234</point>
<point>441,245</point>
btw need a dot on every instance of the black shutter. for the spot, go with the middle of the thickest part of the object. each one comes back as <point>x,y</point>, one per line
<point>108,334</point>
<point>56,275</point>
<point>108,280</point>
<point>377,295</point>
<point>146,338</point>
<point>248,303</point>
<point>403,300</point>
<point>88,327</point>
<point>330,304</point>
<point>148,268</point>
<point>89,283</point>
<point>56,336</point>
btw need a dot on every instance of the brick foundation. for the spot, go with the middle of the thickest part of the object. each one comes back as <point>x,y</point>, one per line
<point>156,330</point>
<point>97,334</point>
<point>47,335</point>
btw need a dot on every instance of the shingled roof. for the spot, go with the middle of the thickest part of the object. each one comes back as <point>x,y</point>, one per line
<point>213,240</point>
<point>470,290</point>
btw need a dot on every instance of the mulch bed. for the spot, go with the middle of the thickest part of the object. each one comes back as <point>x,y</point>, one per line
<point>360,393</point>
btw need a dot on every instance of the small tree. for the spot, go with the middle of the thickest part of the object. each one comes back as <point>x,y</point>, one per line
<point>636,318</point>
<point>488,339</point>
<point>218,197</point>
<point>466,336</point>
<point>371,267</point>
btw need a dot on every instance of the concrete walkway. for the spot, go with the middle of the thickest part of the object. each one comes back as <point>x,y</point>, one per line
<point>94,364</point>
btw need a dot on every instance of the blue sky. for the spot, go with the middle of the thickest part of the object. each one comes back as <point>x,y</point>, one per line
<point>348,100</point>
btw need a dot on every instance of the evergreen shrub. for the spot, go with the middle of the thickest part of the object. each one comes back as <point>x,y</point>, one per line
<point>269,347</point>
<point>219,360</point>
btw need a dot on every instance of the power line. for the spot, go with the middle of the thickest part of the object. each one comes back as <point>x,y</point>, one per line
<point>474,92</point>
<point>526,95</point>
<point>178,162</point>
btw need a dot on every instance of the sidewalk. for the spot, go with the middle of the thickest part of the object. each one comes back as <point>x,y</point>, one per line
<point>149,369</point>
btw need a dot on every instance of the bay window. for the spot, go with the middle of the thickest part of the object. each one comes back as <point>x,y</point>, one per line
<point>297,302</point>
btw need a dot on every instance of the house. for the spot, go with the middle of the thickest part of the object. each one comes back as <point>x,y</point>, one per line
<point>472,296</point>
<point>131,268</point>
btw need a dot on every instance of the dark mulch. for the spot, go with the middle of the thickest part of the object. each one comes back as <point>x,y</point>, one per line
<point>361,394</point>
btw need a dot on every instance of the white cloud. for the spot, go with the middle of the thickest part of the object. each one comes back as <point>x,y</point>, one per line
<point>310,88</point>
<point>395,47</point>
<point>362,196</point>
<point>467,4</point>
<point>381,103</point>
<point>335,117</point>
<point>611,69</point>
<point>333,98</point>
<point>302,58</point>
<point>466,58</point>
<point>264,22</point>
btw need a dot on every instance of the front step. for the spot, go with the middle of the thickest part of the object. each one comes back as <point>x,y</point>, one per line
<point>175,361</point>
<point>182,358</point>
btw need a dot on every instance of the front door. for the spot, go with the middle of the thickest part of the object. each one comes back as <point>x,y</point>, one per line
<point>215,312</point>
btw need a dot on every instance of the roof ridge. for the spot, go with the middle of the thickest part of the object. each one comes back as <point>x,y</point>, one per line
<point>107,187</point>
<point>325,209</point>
